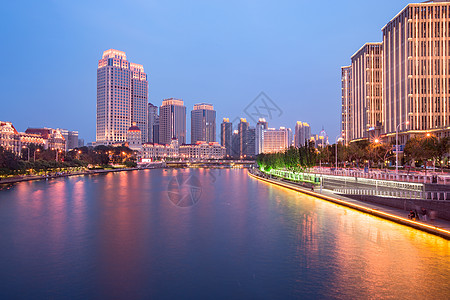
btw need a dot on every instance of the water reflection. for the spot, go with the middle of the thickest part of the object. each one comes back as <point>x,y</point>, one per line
<point>118,235</point>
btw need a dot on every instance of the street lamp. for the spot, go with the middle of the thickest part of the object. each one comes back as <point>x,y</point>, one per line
<point>34,154</point>
<point>338,138</point>
<point>28,151</point>
<point>396,145</point>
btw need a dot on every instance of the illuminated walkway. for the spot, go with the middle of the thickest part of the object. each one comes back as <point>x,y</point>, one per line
<point>439,227</point>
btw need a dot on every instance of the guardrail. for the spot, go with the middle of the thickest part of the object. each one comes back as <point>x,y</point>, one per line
<point>377,182</point>
<point>381,175</point>
<point>396,194</point>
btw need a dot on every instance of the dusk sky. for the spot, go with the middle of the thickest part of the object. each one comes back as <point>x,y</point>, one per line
<point>220,52</point>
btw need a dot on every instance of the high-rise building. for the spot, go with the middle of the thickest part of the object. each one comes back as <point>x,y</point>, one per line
<point>250,147</point>
<point>235,144</point>
<point>260,127</point>
<point>416,79</point>
<point>122,96</point>
<point>242,129</point>
<point>367,71</point>
<point>226,135</point>
<point>302,134</point>
<point>347,110</point>
<point>156,131</point>
<point>203,123</point>
<point>172,121</point>
<point>152,117</point>
<point>275,140</point>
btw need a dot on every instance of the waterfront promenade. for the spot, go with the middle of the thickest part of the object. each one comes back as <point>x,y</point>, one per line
<point>438,227</point>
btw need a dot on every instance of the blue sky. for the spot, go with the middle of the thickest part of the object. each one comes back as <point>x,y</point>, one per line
<point>221,52</point>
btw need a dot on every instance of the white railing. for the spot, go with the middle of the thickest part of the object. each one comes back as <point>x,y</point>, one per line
<point>386,175</point>
<point>437,195</point>
<point>377,182</point>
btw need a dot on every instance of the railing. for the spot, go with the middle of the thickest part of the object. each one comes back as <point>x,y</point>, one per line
<point>396,194</point>
<point>377,182</point>
<point>383,175</point>
<point>295,176</point>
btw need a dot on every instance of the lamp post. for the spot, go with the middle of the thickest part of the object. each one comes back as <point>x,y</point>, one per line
<point>338,138</point>
<point>34,154</point>
<point>396,145</point>
<point>28,151</point>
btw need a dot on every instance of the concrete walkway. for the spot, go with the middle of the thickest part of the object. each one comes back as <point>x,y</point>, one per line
<point>438,227</point>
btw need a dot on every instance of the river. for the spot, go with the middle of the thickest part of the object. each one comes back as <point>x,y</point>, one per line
<point>204,234</point>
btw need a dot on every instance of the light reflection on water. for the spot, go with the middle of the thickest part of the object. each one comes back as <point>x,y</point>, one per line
<point>119,236</point>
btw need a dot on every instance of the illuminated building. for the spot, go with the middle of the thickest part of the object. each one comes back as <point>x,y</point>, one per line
<point>260,127</point>
<point>14,141</point>
<point>9,137</point>
<point>226,135</point>
<point>122,96</point>
<point>153,151</point>
<point>134,138</point>
<point>53,139</point>
<point>275,140</point>
<point>202,150</point>
<point>172,121</point>
<point>367,90</point>
<point>302,134</point>
<point>203,123</point>
<point>416,80</point>
<point>242,131</point>
<point>347,109</point>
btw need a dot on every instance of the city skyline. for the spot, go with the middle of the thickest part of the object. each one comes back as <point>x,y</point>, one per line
<point>308,82</point>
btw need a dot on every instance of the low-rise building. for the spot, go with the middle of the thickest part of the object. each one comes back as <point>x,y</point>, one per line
<point>153,151</point>
<point>203,150</point>
<point>53,139</point>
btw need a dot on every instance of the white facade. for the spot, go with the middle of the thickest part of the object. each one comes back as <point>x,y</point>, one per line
<point>122,97</point>
<point>275,140</point>
<point>203,150</point>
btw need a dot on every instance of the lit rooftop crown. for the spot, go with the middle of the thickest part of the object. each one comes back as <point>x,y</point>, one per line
<point>113,53</point>
<point>226,120</point>
<point>173,101</point>
<point>203,106</point>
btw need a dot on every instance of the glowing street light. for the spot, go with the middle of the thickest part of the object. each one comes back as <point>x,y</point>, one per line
<point>396,145</point>
<point>34,154</point>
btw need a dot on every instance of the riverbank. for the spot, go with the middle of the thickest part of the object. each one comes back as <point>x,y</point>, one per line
<point>44,177</point>
<point>440,227</point>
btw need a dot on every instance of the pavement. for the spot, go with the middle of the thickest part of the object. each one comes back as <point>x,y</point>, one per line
<point>438,227</point>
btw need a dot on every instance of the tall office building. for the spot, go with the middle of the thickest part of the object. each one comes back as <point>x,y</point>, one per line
<point>275,140</point>
<point>250,147</point>
<point>156,131</point>
<point>416,81</point>
<point>346,98</point>
<point>260,127</point>
<point>122,95</point>
<point>172,121</point>
<point>235,144</point>
<point>226,135</point>
<point>203,123</point>
<point>242,129</point>
<point>302,134</point>
<point>152,117</point>
<point>367,71</point>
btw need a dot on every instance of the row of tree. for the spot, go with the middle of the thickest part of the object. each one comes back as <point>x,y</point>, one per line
<point>416,152</point>
<point>37,159</point>
<point>293,159</point>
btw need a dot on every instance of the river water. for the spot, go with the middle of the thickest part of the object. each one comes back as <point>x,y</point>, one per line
<point>204,234</point>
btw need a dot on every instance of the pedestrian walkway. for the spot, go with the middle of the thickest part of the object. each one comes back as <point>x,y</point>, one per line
<point>438,227</point>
